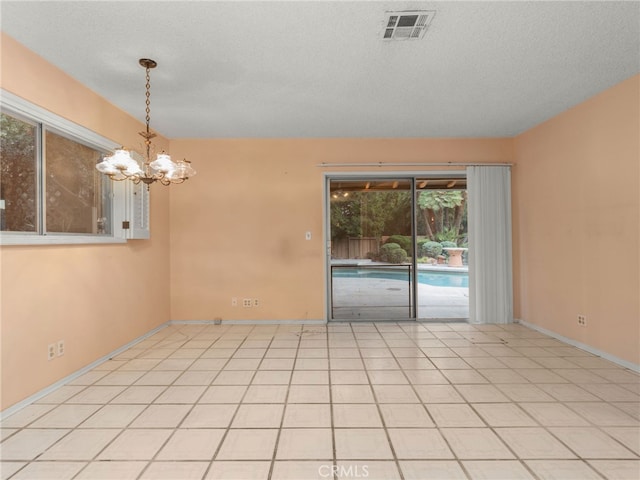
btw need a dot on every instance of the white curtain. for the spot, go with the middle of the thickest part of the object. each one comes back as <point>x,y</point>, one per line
<point>489,222</point>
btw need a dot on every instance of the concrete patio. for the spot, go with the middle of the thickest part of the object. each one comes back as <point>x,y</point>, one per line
<point>387,299</point>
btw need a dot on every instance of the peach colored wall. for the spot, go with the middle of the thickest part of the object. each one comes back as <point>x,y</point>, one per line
<point>95,297</point>
<point>238,230</point>
<point>576,196</point>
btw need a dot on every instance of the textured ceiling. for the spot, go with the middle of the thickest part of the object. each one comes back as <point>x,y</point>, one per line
<point>321,69</point>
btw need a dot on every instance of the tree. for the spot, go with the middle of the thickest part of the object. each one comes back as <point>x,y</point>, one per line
<point>370,214</point>
<point>345,218</point>
<point>442,210</point>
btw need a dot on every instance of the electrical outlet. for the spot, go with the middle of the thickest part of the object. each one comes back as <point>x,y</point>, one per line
<point>234,301</point>
<point>60,348</point>
<point>51,351</point>
<point>256,302</point>
<point>246,302</point>
<point>582,320</point>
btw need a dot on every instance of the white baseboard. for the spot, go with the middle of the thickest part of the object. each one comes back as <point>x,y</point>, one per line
<point>69,378</point>
<point>46,391</point>
<point>582,346</point>
<point>248,322</point>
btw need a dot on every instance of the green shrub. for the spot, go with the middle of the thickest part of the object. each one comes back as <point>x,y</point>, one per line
<point>392,253</point>
<point>421,247</point>
<point>447,235</point>
<point>431,249</point>
<point>397,256</point>
<point>375,256</point>
<point>387,247</point>
<point>427,260</point>
<point>402,240</point>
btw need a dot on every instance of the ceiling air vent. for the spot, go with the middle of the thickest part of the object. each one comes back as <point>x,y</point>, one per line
<point>407,25</point>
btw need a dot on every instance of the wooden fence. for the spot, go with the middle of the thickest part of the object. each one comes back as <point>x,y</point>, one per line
<point>357,247</point>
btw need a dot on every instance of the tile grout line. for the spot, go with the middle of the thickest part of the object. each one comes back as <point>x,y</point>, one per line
<point>193,405</point>
<point>237,409</point>
<point>284,410</point>
<point>573,381</point>
<point>377,404</point>
<point>76,428</point>
<point>73,429</point>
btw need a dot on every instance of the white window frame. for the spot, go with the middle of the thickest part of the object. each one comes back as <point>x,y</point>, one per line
<point>129,202</point>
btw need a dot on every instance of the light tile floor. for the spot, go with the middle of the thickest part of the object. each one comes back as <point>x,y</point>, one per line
<point>361,400</point>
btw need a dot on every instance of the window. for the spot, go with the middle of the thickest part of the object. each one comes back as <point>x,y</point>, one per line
<point>18,174</point>
<point>77,195</point>
<point>50,190</point>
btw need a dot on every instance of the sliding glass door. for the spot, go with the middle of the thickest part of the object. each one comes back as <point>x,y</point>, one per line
<point>397,248</point>
<point>442,247</point>
<point>371,228</point>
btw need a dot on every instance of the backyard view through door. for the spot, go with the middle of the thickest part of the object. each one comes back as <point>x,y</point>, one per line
<point>398,248</point>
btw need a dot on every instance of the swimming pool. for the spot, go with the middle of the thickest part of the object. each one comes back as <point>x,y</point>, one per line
<point>433,278</point>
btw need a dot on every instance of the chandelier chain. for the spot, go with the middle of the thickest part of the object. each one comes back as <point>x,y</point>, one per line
<point>148,101</point>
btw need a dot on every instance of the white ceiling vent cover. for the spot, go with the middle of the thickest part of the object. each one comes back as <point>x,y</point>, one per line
<point>409,25</point>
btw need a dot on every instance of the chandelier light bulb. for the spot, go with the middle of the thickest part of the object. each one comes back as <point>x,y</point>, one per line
<point>163,164</point>
<point>183,170</point>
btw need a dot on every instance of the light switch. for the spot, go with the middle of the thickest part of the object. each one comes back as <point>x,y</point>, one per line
<point>307,235</point>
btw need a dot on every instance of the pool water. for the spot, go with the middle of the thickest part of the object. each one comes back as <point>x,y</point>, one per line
<point>433,278</point>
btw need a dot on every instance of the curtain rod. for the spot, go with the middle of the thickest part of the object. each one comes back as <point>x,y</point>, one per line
<point>392,164</point>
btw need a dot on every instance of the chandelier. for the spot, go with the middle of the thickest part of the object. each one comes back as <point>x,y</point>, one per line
<point>122,166</point>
